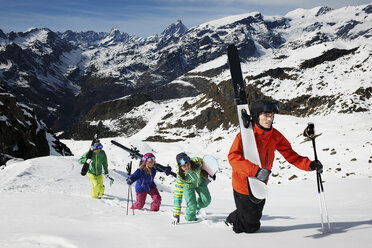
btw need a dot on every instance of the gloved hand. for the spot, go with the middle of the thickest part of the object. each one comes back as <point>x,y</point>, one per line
<point>204,174</point>
<point>129,168</point>
<point>175,219</point>
<point>263,174</point>
<point>210,178</point>
<point>109,178</point>
<point>316,165</point>
<point>129,181</point>
<point>168,170</point>
<point>88,161</point>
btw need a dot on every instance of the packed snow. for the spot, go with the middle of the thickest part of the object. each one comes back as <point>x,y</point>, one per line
<point>46,202</point>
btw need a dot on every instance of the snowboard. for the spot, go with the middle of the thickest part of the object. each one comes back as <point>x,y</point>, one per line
<point>245,122</point>
<point>85,168</point>
<point>210,165</point>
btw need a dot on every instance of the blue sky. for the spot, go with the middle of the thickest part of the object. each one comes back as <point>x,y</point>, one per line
<point>138,17</point>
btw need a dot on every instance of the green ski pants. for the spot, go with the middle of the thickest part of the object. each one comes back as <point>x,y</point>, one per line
<point>193,203</point>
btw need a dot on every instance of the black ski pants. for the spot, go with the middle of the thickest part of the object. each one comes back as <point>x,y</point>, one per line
<point>246,217</point>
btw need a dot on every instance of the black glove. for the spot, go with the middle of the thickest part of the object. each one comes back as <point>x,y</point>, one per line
<point>316,165</point>
<point>168,170</point>
<point>263,174</point>
<point>212,177</point>
<point>129,168</point>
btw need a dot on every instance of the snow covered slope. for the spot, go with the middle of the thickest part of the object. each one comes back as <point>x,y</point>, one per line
<point>46,202</point>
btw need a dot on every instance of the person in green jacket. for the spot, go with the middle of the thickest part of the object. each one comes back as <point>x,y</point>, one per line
<point>190,180</point>
<point>99,160</point>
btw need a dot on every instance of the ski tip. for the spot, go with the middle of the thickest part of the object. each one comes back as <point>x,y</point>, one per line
<point>231,48</point>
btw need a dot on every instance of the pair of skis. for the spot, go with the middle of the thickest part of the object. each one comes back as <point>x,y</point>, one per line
<point>134,153</point>
<point>85,168</point>
<point>249,142</point>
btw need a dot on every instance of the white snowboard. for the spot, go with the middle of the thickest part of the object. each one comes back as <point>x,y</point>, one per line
<point>246,129</point>
<point>257,189</point>
<point>210,165</point>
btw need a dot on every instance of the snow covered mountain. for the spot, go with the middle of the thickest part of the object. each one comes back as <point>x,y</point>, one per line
<point>313,61</point>
<point>306,74</point>
<point>22,134</point>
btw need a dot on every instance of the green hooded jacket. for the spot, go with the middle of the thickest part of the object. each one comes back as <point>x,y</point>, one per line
<point>193,179</point>
<point>98,160</point>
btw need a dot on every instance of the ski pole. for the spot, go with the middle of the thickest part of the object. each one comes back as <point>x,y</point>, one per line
<point>309,132</point>
<point>130,197</point>
<point>130,194</point>
<point>320,201</point>
<point>323,198</point>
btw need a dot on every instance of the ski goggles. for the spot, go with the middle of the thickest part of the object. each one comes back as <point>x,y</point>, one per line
<point>184,161</point>
<point>97,146</point>
<point>150,159</point>
<point>271,107</point>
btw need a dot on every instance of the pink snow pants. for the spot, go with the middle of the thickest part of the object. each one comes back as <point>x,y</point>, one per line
<point>141,198</point>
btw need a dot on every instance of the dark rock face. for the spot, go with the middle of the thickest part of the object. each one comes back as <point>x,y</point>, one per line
<point>2,35</point>
<point>33,75</point>
<point>368,9</point>
<point>345,29</point>
<point>323,11</point>
<point>109,110</point>
<point>22,134</point>
<point>329,55</point>
<point>113,109</point>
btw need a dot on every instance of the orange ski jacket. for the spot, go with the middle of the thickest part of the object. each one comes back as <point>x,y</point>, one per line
<point>267,142</point>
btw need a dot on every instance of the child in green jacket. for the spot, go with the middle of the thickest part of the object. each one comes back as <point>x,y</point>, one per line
<point>190,180</point>
<point>99,160</point>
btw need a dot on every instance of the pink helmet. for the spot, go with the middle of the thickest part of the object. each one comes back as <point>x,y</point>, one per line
<point>148,157</point>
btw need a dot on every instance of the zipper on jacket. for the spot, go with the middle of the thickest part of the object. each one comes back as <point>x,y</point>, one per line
<point>266,157</point>
<point>261,145</point>
<point>150,182</point>
<point>192,173</point>
<point>96,164</point>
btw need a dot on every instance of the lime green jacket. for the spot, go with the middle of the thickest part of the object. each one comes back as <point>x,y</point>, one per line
<point>192,180</point>
<point>99,160</point>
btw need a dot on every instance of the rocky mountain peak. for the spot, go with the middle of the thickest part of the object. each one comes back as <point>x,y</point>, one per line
<point>113,37</point>
<point>323,10</point>
<point>2,35</point>
<point>175,29</point>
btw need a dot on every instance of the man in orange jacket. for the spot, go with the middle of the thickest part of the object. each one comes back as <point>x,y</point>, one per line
<point>246,217</point>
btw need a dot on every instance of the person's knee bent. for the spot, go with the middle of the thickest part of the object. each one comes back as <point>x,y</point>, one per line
<point>157,199</point>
